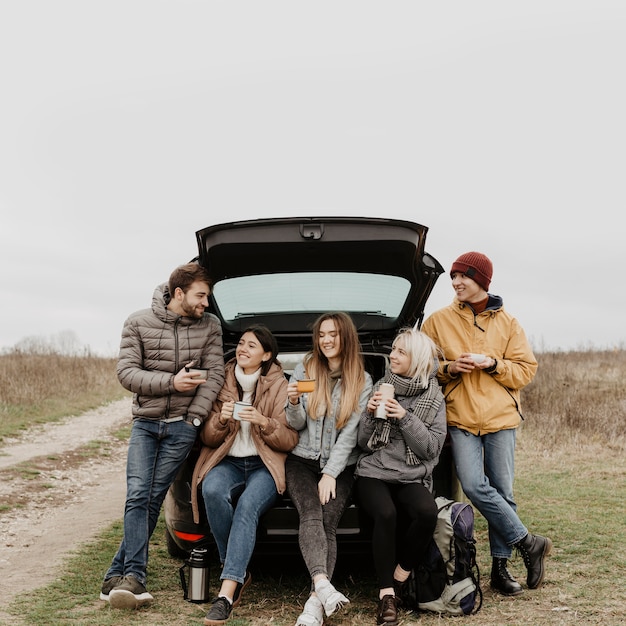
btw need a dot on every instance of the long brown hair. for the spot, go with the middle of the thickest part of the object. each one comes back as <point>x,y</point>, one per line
<point>352,369</point>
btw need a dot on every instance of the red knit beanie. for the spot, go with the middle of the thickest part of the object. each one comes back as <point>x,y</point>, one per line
<point>475,265</point>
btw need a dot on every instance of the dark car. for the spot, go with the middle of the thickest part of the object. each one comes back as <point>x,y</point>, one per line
<point>284,273</point>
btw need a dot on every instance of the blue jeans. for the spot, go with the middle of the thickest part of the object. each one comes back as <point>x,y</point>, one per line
<point>156,450</point>
<point>485,467</point>
<point>236,492</point>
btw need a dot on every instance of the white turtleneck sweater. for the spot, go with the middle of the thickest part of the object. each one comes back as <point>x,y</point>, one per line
<point>244,444</point>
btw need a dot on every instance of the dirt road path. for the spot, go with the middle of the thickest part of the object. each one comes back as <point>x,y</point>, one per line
<point>81,501</point>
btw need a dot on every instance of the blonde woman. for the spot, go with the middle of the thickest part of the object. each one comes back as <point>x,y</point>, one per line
<point>320,469</point>
<point>394,475</point>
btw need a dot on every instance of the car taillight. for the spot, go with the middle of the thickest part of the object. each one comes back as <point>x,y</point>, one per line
<point>188,536</point>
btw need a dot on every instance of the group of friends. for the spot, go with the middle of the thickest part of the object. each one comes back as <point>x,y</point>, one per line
<point>324,447</point>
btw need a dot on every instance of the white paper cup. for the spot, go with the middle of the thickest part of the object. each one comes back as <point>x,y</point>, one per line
<point>238,407</point>
<point>387,391</point>
<point>478,358</point>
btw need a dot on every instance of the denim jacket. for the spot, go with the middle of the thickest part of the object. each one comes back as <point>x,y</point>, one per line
<point>320,439</point>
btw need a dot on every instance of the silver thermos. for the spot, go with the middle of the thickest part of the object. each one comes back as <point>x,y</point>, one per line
<point>196,587</point>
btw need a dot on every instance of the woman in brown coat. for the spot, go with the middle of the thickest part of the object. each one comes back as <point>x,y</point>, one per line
<point>241,467</point>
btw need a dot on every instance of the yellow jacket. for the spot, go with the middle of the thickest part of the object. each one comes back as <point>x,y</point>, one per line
<point>482,402</point>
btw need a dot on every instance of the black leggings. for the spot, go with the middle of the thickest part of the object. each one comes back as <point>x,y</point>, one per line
<point>404,517</point>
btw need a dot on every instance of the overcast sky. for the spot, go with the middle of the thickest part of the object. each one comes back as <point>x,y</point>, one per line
<point>126,126</point>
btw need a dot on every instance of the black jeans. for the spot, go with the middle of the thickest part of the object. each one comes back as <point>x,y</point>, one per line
<point>317,534</point>
<point>404,517</point>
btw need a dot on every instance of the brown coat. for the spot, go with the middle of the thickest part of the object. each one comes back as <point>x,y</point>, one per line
<point>272,443</point>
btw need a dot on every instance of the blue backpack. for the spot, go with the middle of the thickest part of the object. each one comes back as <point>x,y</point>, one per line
<point>448,581</point>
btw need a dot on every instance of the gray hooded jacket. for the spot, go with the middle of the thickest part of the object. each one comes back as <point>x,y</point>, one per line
<point>156,343</point>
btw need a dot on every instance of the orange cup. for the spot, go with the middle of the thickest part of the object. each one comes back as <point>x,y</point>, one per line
<point>306,386</point>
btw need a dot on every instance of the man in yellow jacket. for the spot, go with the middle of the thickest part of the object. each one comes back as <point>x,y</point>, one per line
<point>487,360</point>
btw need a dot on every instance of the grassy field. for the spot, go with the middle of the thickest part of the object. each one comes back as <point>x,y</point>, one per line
<point>570,485</point>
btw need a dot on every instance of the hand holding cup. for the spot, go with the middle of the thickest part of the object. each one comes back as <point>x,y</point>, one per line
<point>297,387</point>
<point>201,373</point>
<point>477,358</point>
<point>185,380</point>
<point>241,410</point>
<point>227,411</point>
<point>386,391</point>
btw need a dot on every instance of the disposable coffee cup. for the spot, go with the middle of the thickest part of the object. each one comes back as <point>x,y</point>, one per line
<point>198,372</point>
<point>238,407</point>
<point>478,358</point>
<point>387,391</point>
<point>306,386</point>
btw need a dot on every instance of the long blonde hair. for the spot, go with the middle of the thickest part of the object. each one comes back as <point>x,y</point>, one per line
<point>352,369</point>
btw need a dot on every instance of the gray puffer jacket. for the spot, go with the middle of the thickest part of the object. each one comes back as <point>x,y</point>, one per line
<point>156,344</point>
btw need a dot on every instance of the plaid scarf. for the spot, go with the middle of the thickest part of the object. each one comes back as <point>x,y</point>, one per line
<point>425,400</point>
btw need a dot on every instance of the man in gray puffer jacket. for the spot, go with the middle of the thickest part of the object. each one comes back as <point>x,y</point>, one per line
<point>169,404</point>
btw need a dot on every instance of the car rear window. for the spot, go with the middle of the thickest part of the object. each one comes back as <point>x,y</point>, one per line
<point>311,291</point>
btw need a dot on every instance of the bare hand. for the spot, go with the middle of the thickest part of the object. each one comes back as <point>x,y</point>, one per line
<point>186,381</point>
<point>374,401</point>
<point>394,410</point>
<point>250,414</point>
<point>227,411</point>
<point>465,363</point>
<point>292,392</point>
<point>326,488</point>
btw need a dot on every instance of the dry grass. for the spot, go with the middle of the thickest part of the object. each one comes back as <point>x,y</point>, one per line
<point>578,398</point>
<point>39,388</point>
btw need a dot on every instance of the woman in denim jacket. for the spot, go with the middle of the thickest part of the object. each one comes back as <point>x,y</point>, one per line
<point>320,469</point>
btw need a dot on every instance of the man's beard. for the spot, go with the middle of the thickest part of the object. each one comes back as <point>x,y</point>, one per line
<point>191,311</point>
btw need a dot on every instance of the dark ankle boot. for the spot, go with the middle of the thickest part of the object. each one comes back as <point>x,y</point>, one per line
<point>405,592</point>
<point>534,549</point>
<point>400,591</point>
<point>387,614</point>
<point>501,579</point>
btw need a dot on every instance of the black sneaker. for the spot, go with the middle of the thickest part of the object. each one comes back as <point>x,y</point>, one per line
<point>240,588</point>
<point>129,594</point>
<point>108,585</point>
<point>219,612</point>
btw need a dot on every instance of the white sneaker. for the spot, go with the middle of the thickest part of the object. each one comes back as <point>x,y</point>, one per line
<point>331,599</point>
<point>312,614</point>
